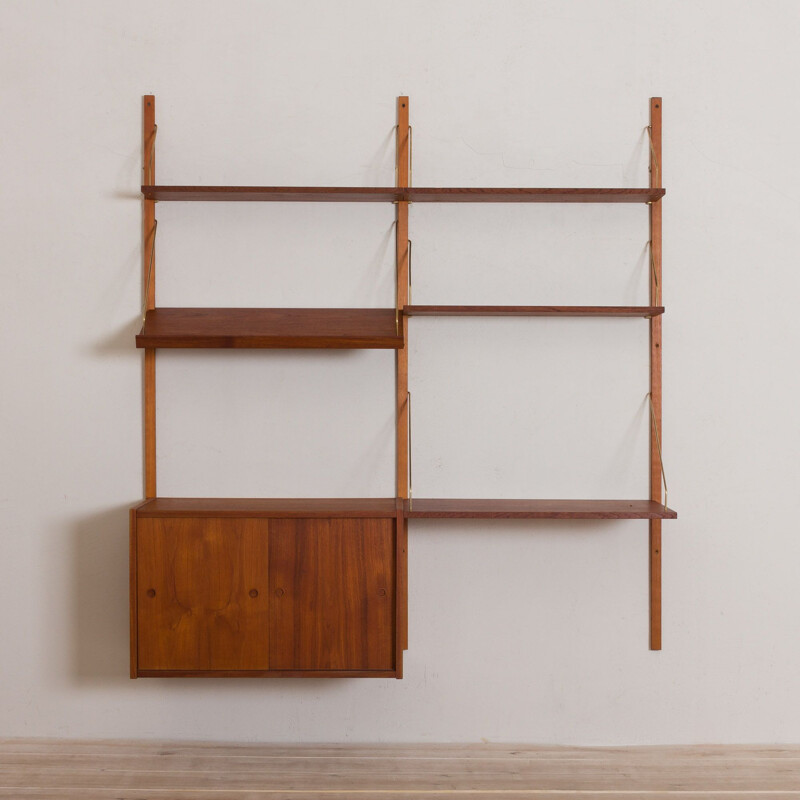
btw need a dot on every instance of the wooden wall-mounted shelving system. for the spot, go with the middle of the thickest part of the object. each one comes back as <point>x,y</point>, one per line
<point>318,587</point>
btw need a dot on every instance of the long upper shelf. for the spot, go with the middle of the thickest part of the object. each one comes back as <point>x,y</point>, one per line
<point>339,194</point>
<point>271,328</point>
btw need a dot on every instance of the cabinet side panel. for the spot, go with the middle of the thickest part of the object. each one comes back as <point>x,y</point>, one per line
<point>202,594</point>
<point>332,584</point>
<point>132,591</point>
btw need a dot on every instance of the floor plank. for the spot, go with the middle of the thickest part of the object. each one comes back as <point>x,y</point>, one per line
<point>134,770</point>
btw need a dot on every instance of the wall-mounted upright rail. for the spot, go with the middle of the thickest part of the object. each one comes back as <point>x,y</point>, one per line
<point>656,298</point>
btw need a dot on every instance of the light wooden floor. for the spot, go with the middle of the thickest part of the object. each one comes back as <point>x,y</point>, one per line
<point>125,770</point>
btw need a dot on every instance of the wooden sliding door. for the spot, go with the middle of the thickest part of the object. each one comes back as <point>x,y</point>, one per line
<point>202,594</point>
<point>332,604</point>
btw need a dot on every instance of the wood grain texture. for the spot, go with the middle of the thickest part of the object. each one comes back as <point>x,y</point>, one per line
<point>292,507</point>
<point>332,601</point>
<point>719,754</point>
<point>537,509</point>
<point>357,194</point>
<point>106,770</point>
<point>149,292</point>
<point>532,311</point>
<point>202,594</point>
<point>270,328</point>
<point>656,296</point>
<point>132,594</point>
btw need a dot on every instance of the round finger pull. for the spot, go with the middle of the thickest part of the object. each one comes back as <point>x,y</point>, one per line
<point>381,592</point>
<point>254,593</point>
<point>279,593</point>
<point>151,592</point>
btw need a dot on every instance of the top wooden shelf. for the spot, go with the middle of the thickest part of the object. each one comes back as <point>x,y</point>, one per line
<point>370,194</point>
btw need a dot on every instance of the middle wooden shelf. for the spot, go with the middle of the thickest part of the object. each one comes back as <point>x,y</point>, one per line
<point>532,311</point>
<point>271,328</point>
<point>323,328</point>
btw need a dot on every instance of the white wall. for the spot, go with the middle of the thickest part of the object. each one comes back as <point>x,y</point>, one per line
<point>519,631</point>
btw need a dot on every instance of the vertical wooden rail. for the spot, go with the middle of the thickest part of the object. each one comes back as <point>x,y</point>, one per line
<point>149,289</point>
<point>656,298</point>
<point>401,364</point>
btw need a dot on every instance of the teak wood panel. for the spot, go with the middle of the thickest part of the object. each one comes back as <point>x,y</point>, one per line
<point>270,328</point>
<point>355,194</point>
<point>268,507</point>
<point>332,604</point>
<point>202,594</point>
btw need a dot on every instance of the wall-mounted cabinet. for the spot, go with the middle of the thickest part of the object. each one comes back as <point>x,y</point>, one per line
<point>265,589</point>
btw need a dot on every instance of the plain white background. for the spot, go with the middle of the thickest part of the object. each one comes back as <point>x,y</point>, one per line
<point>519,631</point>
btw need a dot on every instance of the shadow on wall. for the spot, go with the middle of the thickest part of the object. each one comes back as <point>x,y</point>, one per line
<point>100,597</point>
<point>121,341</point>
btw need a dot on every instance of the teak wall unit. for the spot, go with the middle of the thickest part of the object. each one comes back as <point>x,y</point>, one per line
<point>318,587</point>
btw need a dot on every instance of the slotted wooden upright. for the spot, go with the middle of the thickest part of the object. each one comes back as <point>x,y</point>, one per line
<point>266,587</point>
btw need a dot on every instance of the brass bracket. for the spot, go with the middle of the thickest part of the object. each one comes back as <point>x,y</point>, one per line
<point>149,270</point>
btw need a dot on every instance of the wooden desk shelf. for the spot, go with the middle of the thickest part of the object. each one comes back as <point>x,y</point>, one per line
<point>271,328</point>
<point>314,587</point>
<point>424,508</point>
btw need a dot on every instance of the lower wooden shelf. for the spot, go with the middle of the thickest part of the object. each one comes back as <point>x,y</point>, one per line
<point>386,507</point>
<point>536,509</point>
<point>234,587</point>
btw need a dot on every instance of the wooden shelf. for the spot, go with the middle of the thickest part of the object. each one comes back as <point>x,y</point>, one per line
<point>533,311</point>
<point>271,328</point>
<point>537,509</point>
<point>299,507</point>
<point>386,507</point>
<point>371,194</point>
<point>477,195</point>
